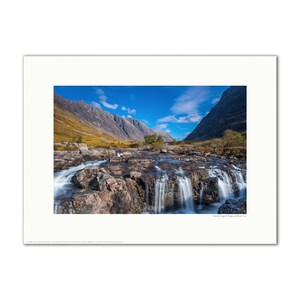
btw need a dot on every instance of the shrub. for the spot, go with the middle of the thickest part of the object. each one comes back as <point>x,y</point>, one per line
<point>136,144</point>
<point>233,139</point>
<point>154,140</point>
<point>78,139</point>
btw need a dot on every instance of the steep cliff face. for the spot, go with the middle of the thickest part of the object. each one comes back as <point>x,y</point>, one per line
<point>113,126</point>
<point>164,135</point>
<point>228,113</point>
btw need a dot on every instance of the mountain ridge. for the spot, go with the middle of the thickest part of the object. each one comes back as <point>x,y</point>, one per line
<point>114,126</point>
<point>228,113</point>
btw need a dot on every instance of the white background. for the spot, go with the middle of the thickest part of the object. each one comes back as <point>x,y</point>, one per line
<point>152,27</point>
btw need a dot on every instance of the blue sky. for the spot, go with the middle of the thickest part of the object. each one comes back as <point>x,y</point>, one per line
<point>174,109</point>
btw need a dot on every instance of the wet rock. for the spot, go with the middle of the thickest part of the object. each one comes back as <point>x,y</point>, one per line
<point>140,163</point>
<point>113,196</point>
<point>197,177</point>
<point>82,147</point>
<point>66,159</point>
<point>97,153</point>
<point>135,175</point>
<point>127,154</point>
<point>164,165</point>
<point>91,203</point>
<point>210,191</point>
<point>85,177</point>
<point>233,206</point>
<point>59,164</point>
<point>235,189</point>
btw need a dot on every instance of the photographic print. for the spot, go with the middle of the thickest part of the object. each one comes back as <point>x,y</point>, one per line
<point>150,149</point>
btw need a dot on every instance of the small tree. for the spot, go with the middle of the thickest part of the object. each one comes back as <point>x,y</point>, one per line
<point>154,140</point>
<point>79,139</point>
<point>150,139</point>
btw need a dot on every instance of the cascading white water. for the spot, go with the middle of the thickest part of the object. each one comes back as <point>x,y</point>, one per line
<point>62,179</point>
<point>224,184</point>
<point>239,179</point>
<point>200,197</point>
<point>185,192</point>
<point>160,193</point>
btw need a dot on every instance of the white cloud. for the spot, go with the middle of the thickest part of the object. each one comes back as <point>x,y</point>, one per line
<point>129,116</point>
<point>103,99</point>
<point>108,105</point>
<point>188,102</point>
<point>145,121</point>
<point>111,106</point>
<point>96,104</point>
<point>215,100</point>
<point>167,119</point>
<point>131,111</point>
<point>168,130</point>
<point>190,118</point>
<point>160,126</point>
<point>99,91</point>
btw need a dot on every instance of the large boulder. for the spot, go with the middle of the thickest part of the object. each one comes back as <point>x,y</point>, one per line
<point>105,194</point>
<point>83,178</point>
<point>232,206</point>
<point>86,203</point>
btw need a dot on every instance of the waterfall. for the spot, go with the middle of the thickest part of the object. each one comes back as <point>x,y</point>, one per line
<point>240,182</point>
<point>62,179</point>
<point>200,197</point>
<point>224,184</point>
<point>160,193</point>
<point>185,192</point>
<point>147,194</point>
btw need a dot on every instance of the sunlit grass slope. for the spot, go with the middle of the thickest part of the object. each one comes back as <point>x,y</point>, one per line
<point>68,128</point>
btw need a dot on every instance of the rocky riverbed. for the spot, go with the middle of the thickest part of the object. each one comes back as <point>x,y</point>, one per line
<point>139,180</point>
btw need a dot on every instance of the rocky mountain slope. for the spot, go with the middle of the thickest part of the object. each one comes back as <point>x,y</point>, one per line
<point>67,127</point>
<point>107,125</point>
<point>228,113</point>
<point>164,135</point>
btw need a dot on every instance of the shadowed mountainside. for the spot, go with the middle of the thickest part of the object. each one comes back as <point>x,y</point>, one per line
<point>228,113</point>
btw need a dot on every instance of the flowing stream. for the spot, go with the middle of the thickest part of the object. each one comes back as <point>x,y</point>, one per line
<point>172,190</point>
<point>185,192</point>
<point>63,186</point>
<point>160,193</point>
<point>224,184</point>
